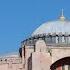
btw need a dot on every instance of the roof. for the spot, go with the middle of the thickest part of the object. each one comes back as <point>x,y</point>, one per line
<point>62,25</point>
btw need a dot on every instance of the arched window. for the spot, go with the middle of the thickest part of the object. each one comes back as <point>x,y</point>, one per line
<point>62,64</point>
<point>66,39</point>
<point>63,39</point>
<point>48,39</point>
<point>69,39</point>
<point>54,39</point>
<point>59,39</point>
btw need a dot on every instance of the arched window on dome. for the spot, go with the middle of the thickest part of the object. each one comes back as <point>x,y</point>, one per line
<point>56,38</point>
<point>63,39</point>
<point>69,39</point>
<point>59,39</point>
<point>66,39</point>
<point>48,39</point>
<point>53,39</point>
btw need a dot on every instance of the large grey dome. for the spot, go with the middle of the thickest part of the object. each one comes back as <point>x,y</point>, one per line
<point>53,27</point>
<point>59,26</point>
<point>53,33</point>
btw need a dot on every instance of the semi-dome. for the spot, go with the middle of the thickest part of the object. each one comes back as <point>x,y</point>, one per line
<point>62,25</point>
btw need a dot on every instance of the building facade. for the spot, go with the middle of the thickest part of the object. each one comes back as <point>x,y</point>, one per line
<point>48,48</point>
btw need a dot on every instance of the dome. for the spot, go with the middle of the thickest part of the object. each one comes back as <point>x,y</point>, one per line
<point>54,33</point>
<point>59,26</point>
<point>53,27</point>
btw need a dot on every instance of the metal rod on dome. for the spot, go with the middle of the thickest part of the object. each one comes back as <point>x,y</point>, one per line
<point>62,14</point>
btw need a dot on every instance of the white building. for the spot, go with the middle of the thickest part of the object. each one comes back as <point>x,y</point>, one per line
<point>48,48</point>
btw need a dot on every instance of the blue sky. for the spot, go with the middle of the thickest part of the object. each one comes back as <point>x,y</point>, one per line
<point>19,18</point>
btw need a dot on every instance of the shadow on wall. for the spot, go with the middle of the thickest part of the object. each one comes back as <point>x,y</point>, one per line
<point>30,63</point>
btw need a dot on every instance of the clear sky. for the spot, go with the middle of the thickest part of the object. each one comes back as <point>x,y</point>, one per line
<point>19,18</point>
